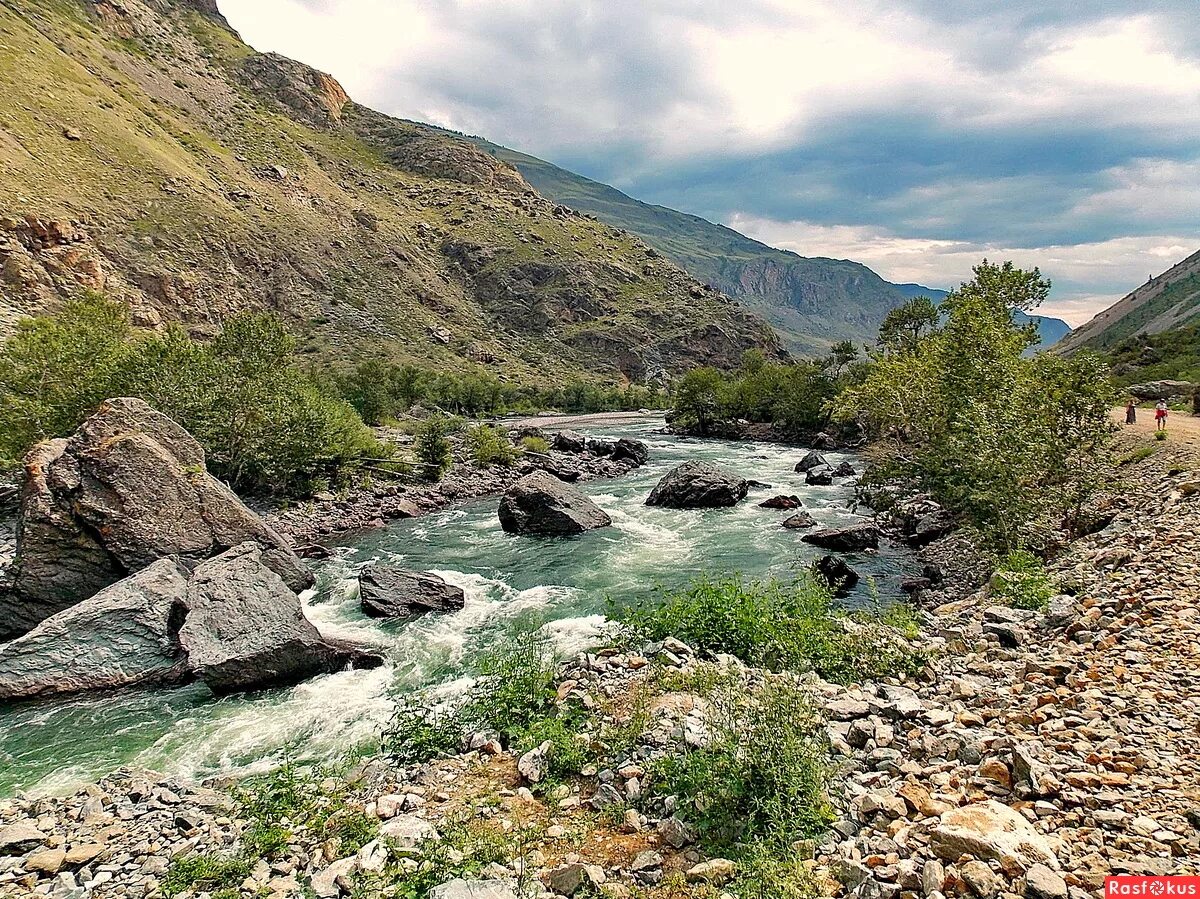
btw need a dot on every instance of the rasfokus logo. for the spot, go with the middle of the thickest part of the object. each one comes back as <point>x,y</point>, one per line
<point>1150,887</point>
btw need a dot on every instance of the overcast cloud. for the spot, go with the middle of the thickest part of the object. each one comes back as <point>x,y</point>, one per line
<point>915,136</point>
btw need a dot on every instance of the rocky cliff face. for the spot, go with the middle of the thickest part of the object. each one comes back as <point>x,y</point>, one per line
<point>150,154</point>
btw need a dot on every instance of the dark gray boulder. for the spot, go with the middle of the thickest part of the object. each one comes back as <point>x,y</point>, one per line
<point>781,501</point>
<point>245,629</point>
<point>389,592</point>
<point>128,488</point>
<point>819,477</point>
<point>698,485</point>
<point>598,446</point>
<point>811,460</point>
<point>229,621</point>
<point>835,572</point>
<point>570,442</point>
<point>844,470</point>
<point>855,538</point>
<point>541,505</point>
<point>800,521</point>
<point>635,451</point>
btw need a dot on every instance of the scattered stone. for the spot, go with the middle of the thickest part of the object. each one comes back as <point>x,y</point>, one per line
<point>991,830</point>
<point>715,872</point>
<point>855,538</point>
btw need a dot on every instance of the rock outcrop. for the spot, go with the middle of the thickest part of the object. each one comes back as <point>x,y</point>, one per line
<point>541,505</point>
<point>698,485</point>
<point>128,488</point>
<point>835,571</point>
<point>230,622</point>
<point>855,538</point>
<point>389,592</point>
<point>811,460</point>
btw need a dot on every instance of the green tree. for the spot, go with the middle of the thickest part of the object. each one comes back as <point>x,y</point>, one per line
<point>56,369</point>
<point>698,399</point>
<point>433,448</point>
<point>905,326</point>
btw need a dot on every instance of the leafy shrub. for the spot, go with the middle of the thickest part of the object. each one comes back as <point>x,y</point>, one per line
<point>775,625</point>
<point>264,425</point>
<point>1022,582</point>
<point>203,872</point>
<point>491,446</point>
<point>782,874</point>
<point>535,444</point>
<point>761,780</point>
<point>419,731</point>
<point>432,447</point>
<point>290,798</point>
<point>1160,435</point>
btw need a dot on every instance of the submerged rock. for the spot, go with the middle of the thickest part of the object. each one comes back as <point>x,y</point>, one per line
<point>855,538</point>
<point>389,592</point>
<point>129,488</point>
<point>698,485</point>
<point>835,571</point>
<point>800,521</point>
<point>231,622</point>
<point>541,505</point>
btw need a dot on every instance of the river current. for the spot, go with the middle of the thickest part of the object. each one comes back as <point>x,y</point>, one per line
<point>51,747</point>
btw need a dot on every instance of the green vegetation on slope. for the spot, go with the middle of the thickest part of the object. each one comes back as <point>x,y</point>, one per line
<point>1171,355</point>
<point>1180,301</point>
<point>150,154</point>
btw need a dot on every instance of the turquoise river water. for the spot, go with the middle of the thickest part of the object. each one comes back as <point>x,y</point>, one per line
<point>51,747</point>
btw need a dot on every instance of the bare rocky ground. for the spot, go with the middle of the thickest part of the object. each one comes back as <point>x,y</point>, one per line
<point>1037,753</point>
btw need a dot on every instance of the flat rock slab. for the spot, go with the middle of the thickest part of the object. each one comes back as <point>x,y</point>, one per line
<point>855,538</point>
<point>386,591</point>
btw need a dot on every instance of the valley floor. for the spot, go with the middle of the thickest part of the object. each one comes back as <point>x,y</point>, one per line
<point>1037,754</point>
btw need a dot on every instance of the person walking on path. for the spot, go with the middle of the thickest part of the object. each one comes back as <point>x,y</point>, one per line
<point>1160,415</point>
<point>1131,412</point>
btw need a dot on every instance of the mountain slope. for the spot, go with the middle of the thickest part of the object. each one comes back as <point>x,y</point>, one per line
<point>1166,303</point>
<point>149,153</point>
<point>812,302</point>
<point>1050,330</point>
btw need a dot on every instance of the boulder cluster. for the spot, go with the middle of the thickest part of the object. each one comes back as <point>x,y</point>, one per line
<point>134,566</point>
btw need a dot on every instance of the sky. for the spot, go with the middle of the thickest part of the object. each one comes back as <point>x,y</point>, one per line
<point>915,136</point>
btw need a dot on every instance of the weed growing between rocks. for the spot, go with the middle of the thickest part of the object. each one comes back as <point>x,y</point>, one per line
<point>759,778</point>
<point>776,625</point>
<point>217,874</point>
<point>1021,581</point>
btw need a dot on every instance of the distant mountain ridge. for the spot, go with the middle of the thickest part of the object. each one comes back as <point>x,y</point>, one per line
<point>811,301</point>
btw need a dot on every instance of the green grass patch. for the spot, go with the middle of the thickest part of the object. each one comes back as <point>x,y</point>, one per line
<point>776,625</point>
<point>207,872</point>
<point>1021,581</point>
<point>1141,454</point>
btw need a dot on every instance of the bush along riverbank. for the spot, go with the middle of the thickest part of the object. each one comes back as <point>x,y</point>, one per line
<point>993,751</point>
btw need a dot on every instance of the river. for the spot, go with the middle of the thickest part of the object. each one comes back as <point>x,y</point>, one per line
<point>51,747</point>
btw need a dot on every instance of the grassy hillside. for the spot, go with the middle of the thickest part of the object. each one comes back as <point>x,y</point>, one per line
<point>150,154</point>
<point>812,302</point>
<point>1168,302</point>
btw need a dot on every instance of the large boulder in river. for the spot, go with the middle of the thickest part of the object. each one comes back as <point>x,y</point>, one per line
<point>698,485</point>
<point>855,538</point>
<point>230,622</point>
<point>821,476</point>
<point>835,571</point>
<point>570,442</point>
<point>389,592</point>
<point>541,505</point>
<point>128,488</point>
<point>635,451</point>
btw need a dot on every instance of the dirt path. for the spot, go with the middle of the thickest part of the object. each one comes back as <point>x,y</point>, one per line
<point>1180,425</point>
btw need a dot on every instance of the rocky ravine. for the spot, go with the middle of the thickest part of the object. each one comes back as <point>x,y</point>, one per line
<point>1038,753</point>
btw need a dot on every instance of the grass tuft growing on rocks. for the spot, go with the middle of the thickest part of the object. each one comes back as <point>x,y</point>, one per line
<point>759,778</point>
<point>1021,581</point>
<point>211,873</point>
<point>779,626</point>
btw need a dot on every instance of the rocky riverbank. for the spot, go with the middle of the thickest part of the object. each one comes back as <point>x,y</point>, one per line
<point>1037,752</point>
<point>328,515</point>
